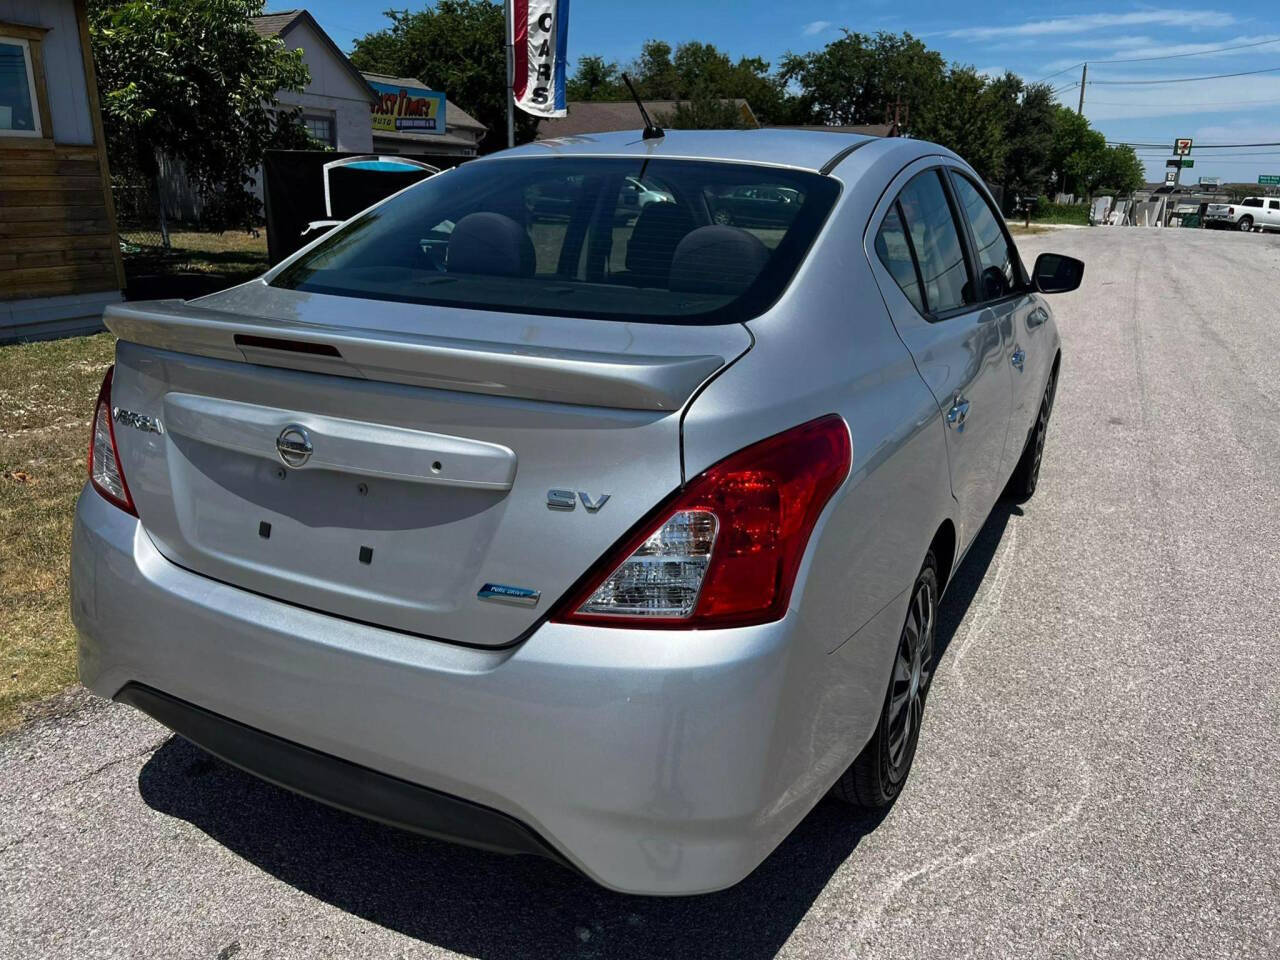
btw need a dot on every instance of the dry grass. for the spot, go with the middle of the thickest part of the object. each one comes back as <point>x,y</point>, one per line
<point>46,395</point>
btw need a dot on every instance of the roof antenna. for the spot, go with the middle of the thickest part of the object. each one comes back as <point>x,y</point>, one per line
<point>651,130</point>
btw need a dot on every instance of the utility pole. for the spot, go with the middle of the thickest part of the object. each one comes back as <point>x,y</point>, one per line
<point>1084,72</point>
<point>511,77</point>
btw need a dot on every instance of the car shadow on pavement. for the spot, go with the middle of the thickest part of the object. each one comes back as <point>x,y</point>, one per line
<point>498,907</point>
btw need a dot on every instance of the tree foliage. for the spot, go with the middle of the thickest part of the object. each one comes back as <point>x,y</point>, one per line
<point>855,78</point>
<point>1015,135</point>
<point>191,80</point>
<point>457,46</point>
<point>696,72</point>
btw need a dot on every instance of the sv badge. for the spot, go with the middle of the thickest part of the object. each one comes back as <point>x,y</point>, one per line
<point>565,500</point>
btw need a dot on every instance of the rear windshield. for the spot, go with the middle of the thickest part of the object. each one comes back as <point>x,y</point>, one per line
<point>664,241</point>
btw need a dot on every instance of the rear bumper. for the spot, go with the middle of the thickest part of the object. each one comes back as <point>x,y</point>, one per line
<point>338,782</point>
<point>653,761</point>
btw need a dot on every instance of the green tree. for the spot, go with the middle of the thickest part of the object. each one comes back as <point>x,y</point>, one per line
<point>703,113</point>
<point>1077,154</point>
<point>1028,134</point>
<point>596,80</point>
<point>696,72</point>
<point>968,116</point>
<point>1121,171</point>
<point>856,78</point>
<point>191,80</point>
<point>457,46</point>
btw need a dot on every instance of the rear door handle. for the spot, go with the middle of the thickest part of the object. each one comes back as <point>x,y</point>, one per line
<point>1018,358</point>
<point>958,414</point>
<point>1037,317</point>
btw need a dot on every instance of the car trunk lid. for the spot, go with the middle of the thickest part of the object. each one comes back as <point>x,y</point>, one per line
<point>363,460</point>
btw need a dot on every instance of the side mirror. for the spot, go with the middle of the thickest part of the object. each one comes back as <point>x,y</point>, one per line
<point>1056,273</point>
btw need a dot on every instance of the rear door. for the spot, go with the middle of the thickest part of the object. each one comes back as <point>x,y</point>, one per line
<point>919,254</point>
<point>1005,288</point>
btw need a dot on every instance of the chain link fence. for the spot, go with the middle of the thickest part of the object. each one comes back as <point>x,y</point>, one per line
<point>140,218</point>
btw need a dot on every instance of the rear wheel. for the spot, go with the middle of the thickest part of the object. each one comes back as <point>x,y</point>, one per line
<point>1245,224</point>
<point>1026,475</point>
<point>874,780</point>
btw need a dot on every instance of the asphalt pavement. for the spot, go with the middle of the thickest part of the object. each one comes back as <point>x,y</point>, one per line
<point>1097,775</point>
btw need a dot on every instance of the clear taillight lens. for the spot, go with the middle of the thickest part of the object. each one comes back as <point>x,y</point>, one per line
<point>104,458</point>
<point>663,577</point>
<point>723,551</point>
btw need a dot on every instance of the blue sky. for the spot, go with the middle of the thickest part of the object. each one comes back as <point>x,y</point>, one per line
<point>1240,109</point>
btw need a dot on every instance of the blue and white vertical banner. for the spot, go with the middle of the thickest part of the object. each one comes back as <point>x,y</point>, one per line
<point>539,40</point>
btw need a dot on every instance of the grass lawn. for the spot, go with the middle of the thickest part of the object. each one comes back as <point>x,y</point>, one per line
<point>46,398</point>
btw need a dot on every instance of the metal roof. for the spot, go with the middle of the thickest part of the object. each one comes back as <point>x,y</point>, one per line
<point>604,116</point>
<point>803,149</point>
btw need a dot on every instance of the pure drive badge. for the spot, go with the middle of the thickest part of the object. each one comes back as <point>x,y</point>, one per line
<point>501,592</point>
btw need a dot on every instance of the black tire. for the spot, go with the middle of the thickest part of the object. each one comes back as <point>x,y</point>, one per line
<point>874,780</point>
<point>1245,224</point>
<point>1026,475</point>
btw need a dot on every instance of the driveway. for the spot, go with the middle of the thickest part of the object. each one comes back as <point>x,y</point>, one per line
<point>1097,775</point>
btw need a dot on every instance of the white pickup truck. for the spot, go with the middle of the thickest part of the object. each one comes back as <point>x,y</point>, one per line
<point>1251,213</point>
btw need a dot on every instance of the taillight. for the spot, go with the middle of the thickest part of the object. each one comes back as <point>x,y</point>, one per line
<point>1231,211</point>
<point>724,550</point>
<point>104,457</point>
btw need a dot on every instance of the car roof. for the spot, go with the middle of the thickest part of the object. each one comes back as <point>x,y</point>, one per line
<point>814,149</point>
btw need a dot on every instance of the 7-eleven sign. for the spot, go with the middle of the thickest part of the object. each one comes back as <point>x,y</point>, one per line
<point>1182,147</point>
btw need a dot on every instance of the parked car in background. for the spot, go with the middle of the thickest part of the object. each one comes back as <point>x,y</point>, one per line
<point>757,205</point>
<point>1251,213</point>
<point>621,545</point>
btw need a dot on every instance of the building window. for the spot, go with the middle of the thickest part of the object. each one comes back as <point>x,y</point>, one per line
<point>320,126</point>
<point>19,113</point>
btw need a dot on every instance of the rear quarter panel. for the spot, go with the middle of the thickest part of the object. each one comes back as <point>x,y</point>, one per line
<point>828,346</point>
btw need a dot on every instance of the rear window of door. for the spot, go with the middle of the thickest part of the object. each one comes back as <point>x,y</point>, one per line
<point>931,233</point>
<point>999,271</point>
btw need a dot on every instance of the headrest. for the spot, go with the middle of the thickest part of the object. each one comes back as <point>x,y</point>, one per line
<point>491,244</point>
<point>657,230</point>
<point>718,259</point>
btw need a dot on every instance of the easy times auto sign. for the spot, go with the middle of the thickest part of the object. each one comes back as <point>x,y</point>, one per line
<point>407,109</point>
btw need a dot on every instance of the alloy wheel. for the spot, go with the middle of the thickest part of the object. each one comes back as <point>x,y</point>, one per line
<point>912,671</point>
<point>1042,430</point>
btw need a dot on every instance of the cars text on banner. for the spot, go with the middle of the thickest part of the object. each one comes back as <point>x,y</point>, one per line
<point>539,36</point>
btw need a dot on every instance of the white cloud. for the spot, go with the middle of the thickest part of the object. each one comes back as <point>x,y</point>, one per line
<point>815,27</point>
<point>1083,23</point>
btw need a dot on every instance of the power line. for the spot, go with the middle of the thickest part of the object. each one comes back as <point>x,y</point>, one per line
<point>1216,159</point>
<point>1168,56</point>
<point>1194,53</point>
<point>1182,103</point>
<point>1198,146</point>
<point>1074,66</point>
<point>1214,76</point>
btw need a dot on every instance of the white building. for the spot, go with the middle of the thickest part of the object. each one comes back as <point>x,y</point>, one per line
<point>337,101</point>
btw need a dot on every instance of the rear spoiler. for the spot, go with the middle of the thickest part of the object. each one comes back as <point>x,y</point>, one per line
<point>558,375</point>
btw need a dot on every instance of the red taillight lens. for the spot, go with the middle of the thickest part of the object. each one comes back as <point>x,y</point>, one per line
<point>104,457</point>
<point>1231,211</point>
<point>724,550</point>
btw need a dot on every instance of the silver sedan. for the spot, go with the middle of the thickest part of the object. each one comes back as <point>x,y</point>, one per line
<point>614,539</point>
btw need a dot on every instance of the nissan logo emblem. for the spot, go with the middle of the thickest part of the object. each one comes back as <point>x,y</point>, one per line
<point>294,446</point>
